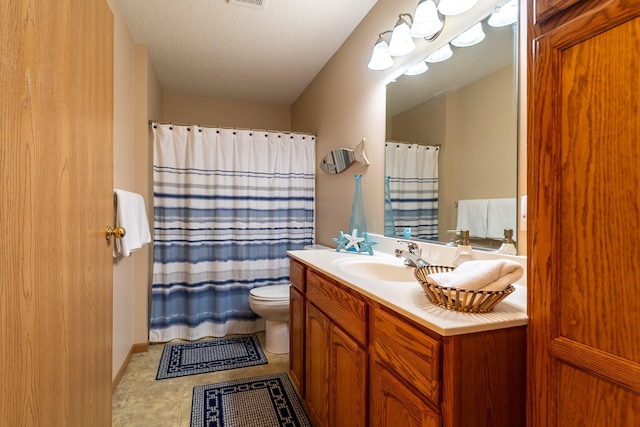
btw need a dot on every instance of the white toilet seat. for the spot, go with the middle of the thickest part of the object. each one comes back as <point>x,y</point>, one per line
<point>270,293</point>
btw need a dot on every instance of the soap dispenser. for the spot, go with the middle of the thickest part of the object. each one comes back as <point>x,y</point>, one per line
<point>463,251</point>
<point>508,247</point>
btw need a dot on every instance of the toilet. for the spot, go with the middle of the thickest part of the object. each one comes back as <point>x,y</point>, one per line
<point>272,304</point>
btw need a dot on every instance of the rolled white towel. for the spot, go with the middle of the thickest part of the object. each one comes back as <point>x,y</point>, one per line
<point>480,275</point>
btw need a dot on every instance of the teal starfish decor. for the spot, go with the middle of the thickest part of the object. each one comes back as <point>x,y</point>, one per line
<point>353,243</point>
<point>341,241</point>
<point>367,244</point>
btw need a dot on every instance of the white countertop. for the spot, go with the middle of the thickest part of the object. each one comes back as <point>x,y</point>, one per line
<point>409,299</point>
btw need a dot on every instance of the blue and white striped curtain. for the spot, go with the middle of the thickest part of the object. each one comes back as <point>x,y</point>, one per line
<point>412,171</point>
<point>228,204</point>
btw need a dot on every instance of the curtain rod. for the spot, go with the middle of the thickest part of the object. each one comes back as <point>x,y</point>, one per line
<point>411,143</point>
<point>160,122</point>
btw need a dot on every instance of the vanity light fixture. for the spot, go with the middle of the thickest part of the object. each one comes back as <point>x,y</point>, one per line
<point>473,35</point>
<point>455,7</point>
<point>380,58</point>
<point>427,22</point>
<point>416,69</point>
<point>401,42</point>
<point>504,15</point>
<point>441,54</point>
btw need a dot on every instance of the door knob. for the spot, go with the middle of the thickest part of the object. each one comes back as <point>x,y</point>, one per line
<point>117,232</point>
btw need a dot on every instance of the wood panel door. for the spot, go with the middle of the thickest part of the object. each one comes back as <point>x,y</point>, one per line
<point>348,380</point>
<point>56,131</point>
<point>584,257</point>
<point>394,404</point>
<point>544,9</point>
<point>297,309</point>
<point>316,378</point>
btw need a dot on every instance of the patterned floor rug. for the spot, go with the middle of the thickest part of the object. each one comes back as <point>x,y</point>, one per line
<point>218,354</point>
<point>264,401</point>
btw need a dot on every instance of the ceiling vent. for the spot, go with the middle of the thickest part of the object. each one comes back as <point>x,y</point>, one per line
<point>256,4</point>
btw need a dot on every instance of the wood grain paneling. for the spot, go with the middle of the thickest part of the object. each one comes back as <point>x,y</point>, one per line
<point>297,275</point>
<point>409,352</point>
<point>317,344</point>
<point>603,407</point>
<point>348,377</point>
<point>346,310</point>
<point>584,175</point>
<point>297,310</point>
<point>545,9</point>
<point>394,404</point>
<point>483,372</point>
<point>56,132</point>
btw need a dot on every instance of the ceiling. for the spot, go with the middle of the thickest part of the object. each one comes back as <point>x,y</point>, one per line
<point>219,49</point>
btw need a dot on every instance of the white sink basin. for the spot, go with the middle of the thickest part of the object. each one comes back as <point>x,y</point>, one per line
<point>386,269</point>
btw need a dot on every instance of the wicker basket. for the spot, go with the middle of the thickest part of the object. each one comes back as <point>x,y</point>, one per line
<point>459,299</point>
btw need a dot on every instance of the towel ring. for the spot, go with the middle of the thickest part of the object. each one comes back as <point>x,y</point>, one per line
<point>117,232</point>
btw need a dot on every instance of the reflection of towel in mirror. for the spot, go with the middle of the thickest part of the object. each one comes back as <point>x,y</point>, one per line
<point>132,215</point>
<point>480,275</point>
<point>501,214</point>
<point>472,216</point>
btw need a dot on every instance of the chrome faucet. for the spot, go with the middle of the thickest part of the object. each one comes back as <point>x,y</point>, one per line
<point>412,256</point>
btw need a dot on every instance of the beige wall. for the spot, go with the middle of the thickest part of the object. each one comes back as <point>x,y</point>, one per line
<point>225,112</point>
<point>124,165</point>
<point>148,104</point>
<point>137,95</point>
<point>346,101</point>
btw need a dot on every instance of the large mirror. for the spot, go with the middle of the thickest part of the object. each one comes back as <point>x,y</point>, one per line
<point>451,155</point>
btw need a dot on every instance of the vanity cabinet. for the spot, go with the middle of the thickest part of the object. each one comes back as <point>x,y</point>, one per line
<point>405,374</point>
<point>336,359</point>
<point>583,180</point>
<point>367,365</point>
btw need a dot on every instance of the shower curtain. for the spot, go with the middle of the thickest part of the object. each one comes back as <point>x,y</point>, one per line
<point>228,204</point>
<point>412,190</point>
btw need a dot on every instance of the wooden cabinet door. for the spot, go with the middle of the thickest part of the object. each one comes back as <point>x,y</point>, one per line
<point>545,9</point>
<point>317,365</point>
<point>393,404</point>
<point>583,252</point>
<point>296,339</point>
<point>348,379</point>
<point>56,175</point>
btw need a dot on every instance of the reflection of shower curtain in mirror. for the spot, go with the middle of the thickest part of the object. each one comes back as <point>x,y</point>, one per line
<point>413,188</point>
<point>228,204</point>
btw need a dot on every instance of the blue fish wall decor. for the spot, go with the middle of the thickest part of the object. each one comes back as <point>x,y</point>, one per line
<point>341,158</point>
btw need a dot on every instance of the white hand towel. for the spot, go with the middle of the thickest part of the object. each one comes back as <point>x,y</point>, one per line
<point>480,275</point>
<point>132,215</point>
<point>472,216</point>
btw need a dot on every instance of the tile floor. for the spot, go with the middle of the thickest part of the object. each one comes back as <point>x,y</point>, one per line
<point>140,400</point>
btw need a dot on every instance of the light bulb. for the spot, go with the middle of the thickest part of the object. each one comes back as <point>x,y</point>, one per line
<point>380,58</point>
<point>504,15</point>
<point>419,68</point>
<point>427,22</point>
<point>441,54</point>
<point>401,42</point>
<point>473,35</point>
